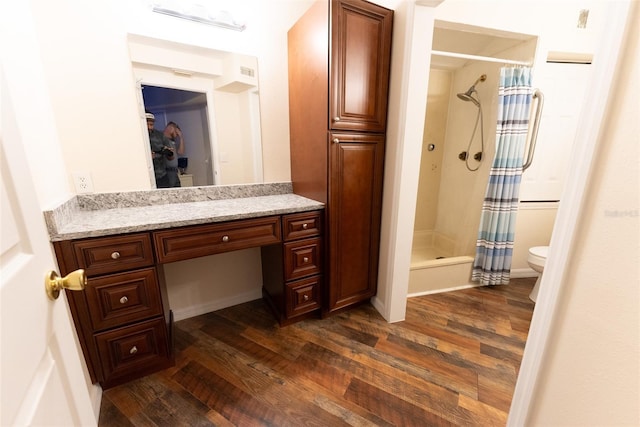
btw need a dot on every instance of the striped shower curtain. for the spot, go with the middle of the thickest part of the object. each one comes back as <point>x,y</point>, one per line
<point>494,247</point>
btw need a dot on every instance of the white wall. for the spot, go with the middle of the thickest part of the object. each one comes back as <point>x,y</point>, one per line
<point>554,23</point>
<point>590,375</point>
<point>534,226</point>
<point>86,61</point>
<point>84,53</point>
<point>206,284</point>
<point>595,338</point>
<point>458,200</point>
<point>412,35</point>
<point>23,69</point>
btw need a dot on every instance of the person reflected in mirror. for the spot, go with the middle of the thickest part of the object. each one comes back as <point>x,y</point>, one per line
<point>173,132</point>
<point>161,151</point>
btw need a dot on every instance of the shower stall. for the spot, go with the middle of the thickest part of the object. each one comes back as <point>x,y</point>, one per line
<point>458,147</point>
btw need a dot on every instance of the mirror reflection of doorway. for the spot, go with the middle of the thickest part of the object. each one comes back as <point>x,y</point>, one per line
<point>189,111</point>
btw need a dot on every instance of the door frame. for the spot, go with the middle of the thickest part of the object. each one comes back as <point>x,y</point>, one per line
<point>564,233</point>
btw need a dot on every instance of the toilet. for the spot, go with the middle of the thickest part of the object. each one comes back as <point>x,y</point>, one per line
<point>536,259</point>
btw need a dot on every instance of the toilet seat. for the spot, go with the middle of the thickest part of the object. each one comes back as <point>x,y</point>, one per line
<point>538,255</point>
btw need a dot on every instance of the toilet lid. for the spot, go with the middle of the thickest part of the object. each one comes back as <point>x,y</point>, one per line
<point>539,251</point>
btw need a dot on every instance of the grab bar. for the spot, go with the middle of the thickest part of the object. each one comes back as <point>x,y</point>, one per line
<point>534,132</point>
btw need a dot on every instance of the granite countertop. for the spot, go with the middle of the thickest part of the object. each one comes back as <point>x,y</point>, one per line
<point>115,213</point>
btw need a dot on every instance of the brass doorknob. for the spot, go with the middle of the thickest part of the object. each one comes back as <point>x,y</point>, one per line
<point>75,281</point>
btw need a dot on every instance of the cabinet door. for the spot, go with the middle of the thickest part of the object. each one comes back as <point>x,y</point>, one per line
<point>355,181</point>
<point>361,46</point>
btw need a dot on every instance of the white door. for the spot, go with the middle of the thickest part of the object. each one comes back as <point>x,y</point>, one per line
<point>41,370</point>
<point>564,86</point>
<point>43,378</point>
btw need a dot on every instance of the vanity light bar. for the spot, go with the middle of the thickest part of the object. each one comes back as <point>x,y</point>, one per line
<point>227,23</point>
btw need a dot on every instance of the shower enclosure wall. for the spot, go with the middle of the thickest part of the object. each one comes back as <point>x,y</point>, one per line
<point>450,196</point>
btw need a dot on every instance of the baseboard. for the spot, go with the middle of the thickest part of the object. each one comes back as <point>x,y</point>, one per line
<point>519,273</point>
<point>380,308</point>
<point>218,304</point>
<point>95,395</point>
<point>515,274</point>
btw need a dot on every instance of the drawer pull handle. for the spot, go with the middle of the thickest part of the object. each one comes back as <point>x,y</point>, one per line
<point>305,259</point>
<point>305,226</point>
<point>115,255</point>
<point>225,239</point>
<point>336,119</point>
<point>124,300</point>
<point>305,297</point>
<point>336,141</point>
<point>133,350</point>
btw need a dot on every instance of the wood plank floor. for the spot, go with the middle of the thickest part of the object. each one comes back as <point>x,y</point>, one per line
<point>453,361</point>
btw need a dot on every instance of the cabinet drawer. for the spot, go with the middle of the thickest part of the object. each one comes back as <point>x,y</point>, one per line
<point>201,240</point>
<point>302,258</point>
<point>126,351</point>
<point>303,296</point>
<point>112,254</point>
<point>118,299</point>
<point>297,226</point>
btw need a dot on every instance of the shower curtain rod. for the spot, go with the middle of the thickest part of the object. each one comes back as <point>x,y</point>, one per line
<point>479,58</point>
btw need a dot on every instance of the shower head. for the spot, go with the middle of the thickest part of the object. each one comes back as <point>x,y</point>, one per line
<point>468,95</point>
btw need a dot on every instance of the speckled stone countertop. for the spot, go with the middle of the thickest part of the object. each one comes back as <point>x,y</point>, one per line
<point>103,214</point>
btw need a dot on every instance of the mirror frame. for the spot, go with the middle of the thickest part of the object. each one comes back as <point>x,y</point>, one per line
<point>217,74</point>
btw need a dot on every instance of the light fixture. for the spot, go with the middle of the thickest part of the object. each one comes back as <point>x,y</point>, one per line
<point>199,13</point>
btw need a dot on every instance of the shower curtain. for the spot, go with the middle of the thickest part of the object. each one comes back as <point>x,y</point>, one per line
<point>494,246</point>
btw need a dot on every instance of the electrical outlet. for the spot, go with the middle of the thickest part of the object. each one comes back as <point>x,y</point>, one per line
<point>82,181</point>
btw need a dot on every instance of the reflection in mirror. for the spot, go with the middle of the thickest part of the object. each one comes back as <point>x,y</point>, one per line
<point>213,96</point>
<point>189,111</point>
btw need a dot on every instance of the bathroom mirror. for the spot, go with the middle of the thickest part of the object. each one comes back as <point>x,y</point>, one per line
<point>97,60</point>
<point>213,96</point>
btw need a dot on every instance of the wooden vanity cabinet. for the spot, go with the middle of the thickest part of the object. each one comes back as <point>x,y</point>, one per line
<point>338,95</point>
<point>123,324</point>
<point>177,244</point>
<point>292,271</point>
<point>122,317</point>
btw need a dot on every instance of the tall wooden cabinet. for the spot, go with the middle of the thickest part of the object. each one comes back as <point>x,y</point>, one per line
<point>339,57</point>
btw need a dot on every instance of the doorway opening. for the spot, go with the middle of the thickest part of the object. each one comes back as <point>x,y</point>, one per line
<point>188,109</point>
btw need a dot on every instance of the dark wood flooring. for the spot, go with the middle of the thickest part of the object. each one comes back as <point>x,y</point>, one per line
<point>453,361</point>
